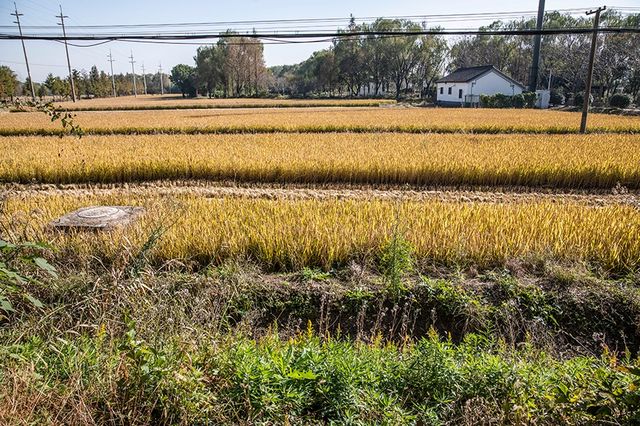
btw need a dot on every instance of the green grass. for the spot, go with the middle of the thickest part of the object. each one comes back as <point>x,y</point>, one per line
<point>312,379</point>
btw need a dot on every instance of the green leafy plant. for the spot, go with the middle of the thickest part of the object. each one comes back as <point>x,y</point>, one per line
<point>396,260</point>
<point>620,100</point>
<point>14,258</point>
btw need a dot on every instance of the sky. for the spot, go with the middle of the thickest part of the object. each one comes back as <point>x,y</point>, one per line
<point>49,56</point>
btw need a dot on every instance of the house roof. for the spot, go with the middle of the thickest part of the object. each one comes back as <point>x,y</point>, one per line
<point>464,75</point>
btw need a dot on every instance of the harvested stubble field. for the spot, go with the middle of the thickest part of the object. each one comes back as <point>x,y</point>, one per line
<point>156,102</point>
<point>313,120</point>
<point>292,234</point>
<point>558,161</point>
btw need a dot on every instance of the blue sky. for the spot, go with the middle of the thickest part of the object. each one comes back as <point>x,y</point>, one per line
<point>48,57</point>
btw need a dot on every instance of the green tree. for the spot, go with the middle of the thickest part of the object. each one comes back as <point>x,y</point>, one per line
<point>184,77</point>
<point>8,82</point>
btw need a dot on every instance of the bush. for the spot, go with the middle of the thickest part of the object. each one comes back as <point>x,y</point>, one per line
<point>518,101</point>
<point>530,99</point>
<point>620,100</point>
<point>499,100</point>
<point>487,101</point>
<point>555,98</point>
<point>502,101</point>
<point>578,99</point>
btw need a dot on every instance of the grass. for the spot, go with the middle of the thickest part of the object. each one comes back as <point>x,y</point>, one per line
<point>266,120</point>
<point>568,161</point>
<point>308,379</point>
<point>284,234</point>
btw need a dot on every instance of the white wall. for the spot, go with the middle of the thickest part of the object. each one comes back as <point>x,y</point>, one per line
<point>492,83</point>
<point>488,84</point>
<point>454,96</point>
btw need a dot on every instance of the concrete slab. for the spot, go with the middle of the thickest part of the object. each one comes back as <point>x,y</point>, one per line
<point>97,218</point>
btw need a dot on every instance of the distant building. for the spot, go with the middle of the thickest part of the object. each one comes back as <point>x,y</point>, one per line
<point>465,85</point>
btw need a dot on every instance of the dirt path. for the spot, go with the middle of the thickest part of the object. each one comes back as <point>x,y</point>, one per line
<point>294,192</point>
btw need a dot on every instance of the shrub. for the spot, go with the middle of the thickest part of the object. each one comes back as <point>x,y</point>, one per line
<point>620,100</point>
<point>502,101</point>
<point>518,101</point>
<point>556,98</point>
<point>487,101</point>
<point>530,99</point>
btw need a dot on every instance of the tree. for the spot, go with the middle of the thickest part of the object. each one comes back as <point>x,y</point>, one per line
<point>184,77</point>
<point>431,53</point>
<point>8,82</point>
<point>210,64</point>
<point>350,59</point>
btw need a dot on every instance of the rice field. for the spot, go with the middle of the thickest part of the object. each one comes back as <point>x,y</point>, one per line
<point>154,102</point>
<point>291,234</point>
<point>315,120</point>
<point>558,161</point>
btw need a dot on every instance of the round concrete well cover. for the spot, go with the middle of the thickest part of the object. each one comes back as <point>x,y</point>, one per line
<point>98,217</point>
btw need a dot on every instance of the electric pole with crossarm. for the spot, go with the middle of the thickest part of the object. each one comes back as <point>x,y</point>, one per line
<point>24,50</point>
<point>113,79</point>
<point>133,72</point>
<point>66,47</point>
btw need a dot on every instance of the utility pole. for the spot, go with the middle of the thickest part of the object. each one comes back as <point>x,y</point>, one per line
<point>113,79</point>
<point>133,72</point>
<point>533,76</point>
<point>161,80</point>
<point>66,47</point>
<point>24,50</point>
<point>592,57</point>
<point>144,79</point>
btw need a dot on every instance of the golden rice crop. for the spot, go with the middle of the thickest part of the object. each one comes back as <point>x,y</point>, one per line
<point>292,234</point>
<point>177,101</point>
<point>570,161</point>
<point>355,119</point>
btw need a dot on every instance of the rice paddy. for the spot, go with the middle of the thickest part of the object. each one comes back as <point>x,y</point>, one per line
<point>155,102</point>
<point>291,234</point>
<point>315,120</point>
<point>561,161</point>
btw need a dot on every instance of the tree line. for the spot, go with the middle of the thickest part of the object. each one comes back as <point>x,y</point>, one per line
<point>384,65</point>
<point>88,84</point>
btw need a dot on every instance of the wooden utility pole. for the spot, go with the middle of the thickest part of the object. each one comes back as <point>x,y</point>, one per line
<point>535,66</point>
<point>24,50</point>
<point>144,80</point>
<point>113,79</point>
<point>133,73</point>
<point>66,48</point>
<point>161,80</point>
<point>592,57</point>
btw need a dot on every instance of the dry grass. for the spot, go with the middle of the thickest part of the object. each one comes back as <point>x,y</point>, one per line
<point>177,101</point>
<point>357,119</point>
<point>569,161</point>
<point>293,234</point>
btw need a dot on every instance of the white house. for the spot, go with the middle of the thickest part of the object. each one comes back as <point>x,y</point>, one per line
<point>465,85</point>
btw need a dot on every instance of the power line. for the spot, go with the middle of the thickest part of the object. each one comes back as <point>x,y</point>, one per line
<point>315,21</point>
<point>339,34</point>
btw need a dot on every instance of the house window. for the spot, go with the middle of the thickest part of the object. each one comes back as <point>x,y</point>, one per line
<point>449,90</point>
<point>460,94</point>
<point>441,90</point>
